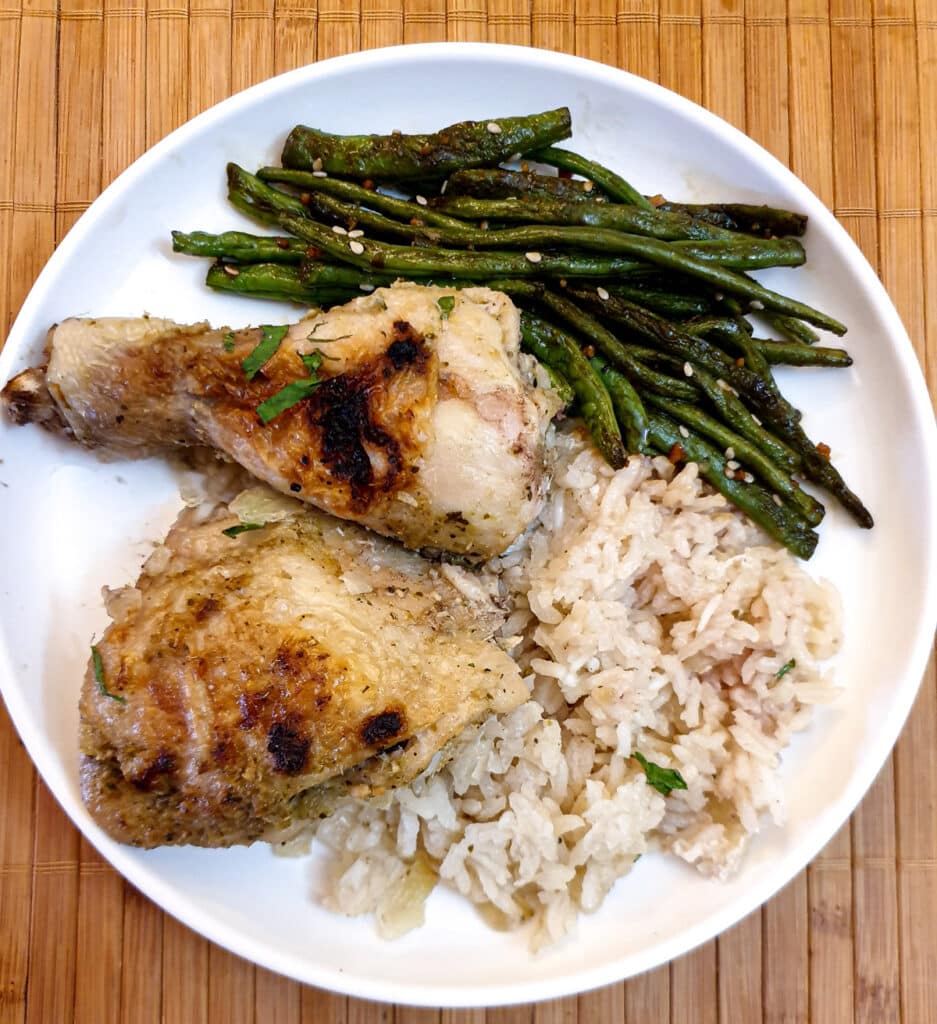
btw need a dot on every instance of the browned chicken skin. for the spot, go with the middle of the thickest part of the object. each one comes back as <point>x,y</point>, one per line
<point>249,682</point>
<point>426,428</point>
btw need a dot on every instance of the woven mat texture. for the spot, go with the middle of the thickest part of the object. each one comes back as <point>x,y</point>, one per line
<point>845,94</point>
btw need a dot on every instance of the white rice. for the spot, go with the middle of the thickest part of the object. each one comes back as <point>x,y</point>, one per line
<point>649,616</point>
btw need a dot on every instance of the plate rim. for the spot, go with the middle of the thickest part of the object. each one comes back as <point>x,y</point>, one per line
<point>819,832</point>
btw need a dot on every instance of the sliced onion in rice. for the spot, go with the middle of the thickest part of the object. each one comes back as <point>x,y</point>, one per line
<point>403,908</point>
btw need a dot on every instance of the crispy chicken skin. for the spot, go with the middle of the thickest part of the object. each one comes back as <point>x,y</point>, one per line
<point>426,427</point>
<point>251,681</point>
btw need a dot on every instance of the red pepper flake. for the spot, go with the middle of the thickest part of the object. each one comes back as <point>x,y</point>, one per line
<point>677,454</point>
<point>305,198</point>
<point>564,174</point>
<point>368,184</point>
<point>283,243</point>
<point>312,253</point>
<point>589,351</point>
<point>658,200</point>
<point>740,361</point>
<point>525,166</point>
<point>824,450</point>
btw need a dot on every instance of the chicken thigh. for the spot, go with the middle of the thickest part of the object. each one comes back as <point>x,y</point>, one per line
<point>251,679</point>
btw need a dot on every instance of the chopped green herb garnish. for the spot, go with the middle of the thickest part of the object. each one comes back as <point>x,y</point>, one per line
<point>229,342</point>
<point>784,669</point>
<point>266,349</point>
<point>99,676</point>
<point>287,397</point>
<point>233,531</point>
<point>662,779</point>
<point>446,304</point>
<point>312,361</point>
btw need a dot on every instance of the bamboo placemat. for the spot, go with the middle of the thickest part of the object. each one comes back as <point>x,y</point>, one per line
<point>845,93</point>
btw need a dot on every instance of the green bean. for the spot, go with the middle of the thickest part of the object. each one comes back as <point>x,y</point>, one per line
<point>667,255</point>
<point>819,469</point>
<point>252,194</point>
<point>277,281</point>
<point>461,263</point>
<point>793,353</point>
<point>612,184</point>
<point>814,465</point>
<point>561,386</point>
<point>624,399</point>
<point>793,328</point>
<point>586,212</point>
<point>782,522</point>
<point>557,350</point>
<point>755,220</point>
<point>350,191</point>
<point>238,245</point>
<point>732,334</point>
<point>698,351</point>
<point>742,253</point>
<point>498,183</point>
<point>674,305</point>
<point>738,448</point>
<point>611,348</point>
<point>399,157</point>
<point>730,408</point>
<point>628,406</point>
<point>258,199</point>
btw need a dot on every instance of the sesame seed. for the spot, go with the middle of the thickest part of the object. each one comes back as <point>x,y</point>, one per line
<point>757,304</point>
<point>683,431</point>
<point>357,233</point>
<point>533,257</point>
<point>756,420</point>
<point>319,174</point>
<point>494,127</point>
<point>730,473</point>
<point>732,464</point>
<point>339,230</point>
<point>356,247</point>
<point>730,453</point>
<point>588,186</point>
<point>421,200</point>
<point>748,478</point>
<point>445,185</point>
<point>720,383</point>
<point>365,287</point>
<point>688,370</point>
<point>231,271</point>
<point>776,498</point>
<point>718,296</point>
<point>602,294</point>
<point>317,164</point>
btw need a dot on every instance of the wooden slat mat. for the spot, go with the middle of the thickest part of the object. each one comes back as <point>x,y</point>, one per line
<point>845,93</point>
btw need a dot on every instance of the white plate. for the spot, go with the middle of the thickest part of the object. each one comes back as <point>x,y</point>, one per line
<point>71,524</point>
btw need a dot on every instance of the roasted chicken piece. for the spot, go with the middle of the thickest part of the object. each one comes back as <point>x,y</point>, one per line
<point>249,681</point>
<point>427,427</point>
